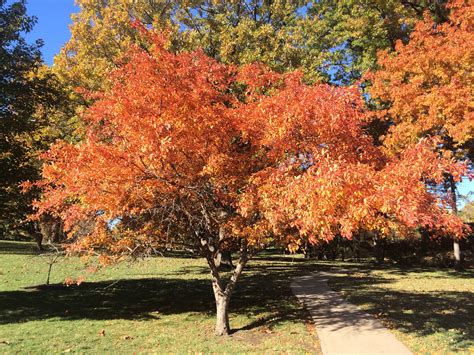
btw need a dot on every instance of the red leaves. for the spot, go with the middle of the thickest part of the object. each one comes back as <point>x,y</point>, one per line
<point>172,141</point>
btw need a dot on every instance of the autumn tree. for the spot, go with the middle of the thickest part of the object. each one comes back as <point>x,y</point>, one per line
<point>329,40</point>
<point>426,88</point>
<point>212,154</point>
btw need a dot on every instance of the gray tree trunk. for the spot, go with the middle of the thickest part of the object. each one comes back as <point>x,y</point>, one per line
<point>222,314</point>
<point>223,293</point>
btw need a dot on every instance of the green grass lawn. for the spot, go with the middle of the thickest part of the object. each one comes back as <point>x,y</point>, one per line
<point>153,305</point>
<point>166,305</point>
<point>429,310</point>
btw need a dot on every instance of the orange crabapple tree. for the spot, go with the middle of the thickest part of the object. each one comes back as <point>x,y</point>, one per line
<point>183,147</point>
<point>427,87</point>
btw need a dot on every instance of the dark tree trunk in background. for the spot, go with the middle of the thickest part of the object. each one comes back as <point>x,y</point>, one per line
<point>356,245</point>
<point>383,241</point>
<point>223,260</point>
<point>51,229</point>
<point>379,249</point>
<point>343,252</point>
<point>458,262</point>
<point>38,238</point>
<point>341,247</point>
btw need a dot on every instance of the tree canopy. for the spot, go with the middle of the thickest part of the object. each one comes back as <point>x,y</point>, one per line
<point>428,83</point>
<point>467,212</point>
<point>426,88</point>
<point>181,144</point>
<point>329,40</point>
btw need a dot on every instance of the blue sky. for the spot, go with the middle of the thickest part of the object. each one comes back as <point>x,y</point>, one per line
<point>466,188</point>
<point>54,16</point>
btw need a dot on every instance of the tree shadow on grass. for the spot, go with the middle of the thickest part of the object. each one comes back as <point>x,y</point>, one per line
<point>263,295</point>
<point>263,289</point>
<point>122,299</point>
<point>18,247</point>
<point>421,313</point>
<point>447,272</point>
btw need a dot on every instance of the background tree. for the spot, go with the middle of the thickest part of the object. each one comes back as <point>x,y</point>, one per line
<point>17,60</point>
<point>182,145</point>
<point>467,212</point>
<point>329,40</point>
<point>355,30</point>
<point>427,85</point>
<point>28,93</point>
<point>101,34</point>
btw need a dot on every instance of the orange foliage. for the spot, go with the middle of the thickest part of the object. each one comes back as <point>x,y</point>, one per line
<point>183,145</point>
<point>429,81</point>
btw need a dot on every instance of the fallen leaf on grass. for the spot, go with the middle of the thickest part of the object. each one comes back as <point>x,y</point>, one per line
<point>102,333</point>
<point>311,328</point>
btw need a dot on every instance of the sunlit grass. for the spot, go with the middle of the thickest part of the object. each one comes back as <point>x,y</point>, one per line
<point>153,305</point>
<point>166,305</point>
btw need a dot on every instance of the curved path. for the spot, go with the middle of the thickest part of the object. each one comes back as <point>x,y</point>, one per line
<point>341,326</point>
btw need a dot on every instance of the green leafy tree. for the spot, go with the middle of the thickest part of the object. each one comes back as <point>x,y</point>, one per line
<point>355,30</point>
<point>467,212</point>
<point>29,92</point>
<point>17,60</point>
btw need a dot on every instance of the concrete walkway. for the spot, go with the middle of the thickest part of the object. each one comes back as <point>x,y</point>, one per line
<point>342,327</point>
